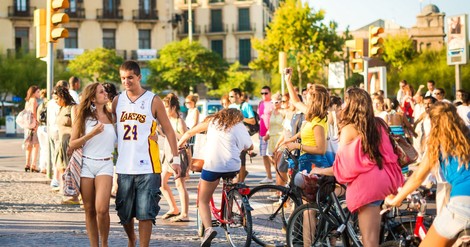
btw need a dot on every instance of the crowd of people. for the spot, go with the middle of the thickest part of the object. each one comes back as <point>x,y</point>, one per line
<point>130,148</point>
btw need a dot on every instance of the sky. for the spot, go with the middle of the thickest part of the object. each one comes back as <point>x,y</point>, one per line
<point>358,13</point>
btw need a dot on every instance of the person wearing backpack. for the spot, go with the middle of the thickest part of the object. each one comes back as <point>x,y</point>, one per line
<point>248,118</point>
<point>41,116</point>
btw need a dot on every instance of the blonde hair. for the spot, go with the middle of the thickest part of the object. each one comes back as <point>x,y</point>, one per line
<point>449,136</point>
<point>193,97</point>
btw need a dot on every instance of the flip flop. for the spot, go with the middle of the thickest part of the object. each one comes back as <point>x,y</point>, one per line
<point>169,215</point>
<point>179,219</point>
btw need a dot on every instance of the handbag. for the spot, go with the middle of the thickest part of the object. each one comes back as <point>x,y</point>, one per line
<point>185,159</point>
<point>26,120</point>
<point>71,176</point>
<point>197,161</point>
<point>406,153</point>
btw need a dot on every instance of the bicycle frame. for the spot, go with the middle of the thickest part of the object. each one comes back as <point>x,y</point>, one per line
<point>227,186</point>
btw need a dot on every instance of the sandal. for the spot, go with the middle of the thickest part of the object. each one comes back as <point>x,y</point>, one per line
<point>179,218</point>
<point>169,215</point>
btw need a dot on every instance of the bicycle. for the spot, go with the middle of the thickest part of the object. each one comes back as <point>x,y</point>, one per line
<point>272,206</point>
<point>234,214</point>
<point>322,222</point>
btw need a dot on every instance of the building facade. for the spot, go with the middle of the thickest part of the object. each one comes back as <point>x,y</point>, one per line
<point>137,29</point>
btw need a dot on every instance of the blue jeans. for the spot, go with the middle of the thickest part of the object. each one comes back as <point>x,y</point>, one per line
<point>138,196</point>
<point>307,160</point>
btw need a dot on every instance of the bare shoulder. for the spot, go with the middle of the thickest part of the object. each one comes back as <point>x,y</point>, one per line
<point>348,133</point>
<point>157,105</point>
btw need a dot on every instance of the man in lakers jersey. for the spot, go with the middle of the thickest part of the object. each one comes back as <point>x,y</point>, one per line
<point>138,165</point>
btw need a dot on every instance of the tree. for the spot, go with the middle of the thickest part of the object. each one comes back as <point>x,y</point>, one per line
<point>97,65</point>
<point>398,50</point>
<point>183,65</point>
<point>236,78</point>
<point>299,31</point>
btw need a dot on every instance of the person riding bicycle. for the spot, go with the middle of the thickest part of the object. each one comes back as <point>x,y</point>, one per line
<point>365,161</point>
<point>227,135</point>
<point>448,153</point>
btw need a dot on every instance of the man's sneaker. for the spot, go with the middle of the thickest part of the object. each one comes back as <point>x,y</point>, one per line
<point>266,180</point>
<point>209,234</point>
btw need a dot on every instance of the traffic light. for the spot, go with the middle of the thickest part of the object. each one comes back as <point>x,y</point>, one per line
<point>40,24</point>
<point>356,48</point>
<point>54,18</point>
<point>375,42</point>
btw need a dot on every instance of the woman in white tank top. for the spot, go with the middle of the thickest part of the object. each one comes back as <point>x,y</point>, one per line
<point>93,130</point>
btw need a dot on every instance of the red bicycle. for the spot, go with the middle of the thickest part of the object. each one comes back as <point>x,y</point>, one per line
<point>234,214</point>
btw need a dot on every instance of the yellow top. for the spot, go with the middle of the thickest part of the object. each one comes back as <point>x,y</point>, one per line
<point>307,135</point>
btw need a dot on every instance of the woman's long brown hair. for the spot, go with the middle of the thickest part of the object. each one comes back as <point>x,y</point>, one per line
<point>225,119</point>
<point>360,113</point>
<point>449,136</point>
<point>84,108</point>
<point>319,102</point>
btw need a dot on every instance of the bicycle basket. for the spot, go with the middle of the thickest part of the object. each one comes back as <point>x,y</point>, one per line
<point>309,186</point>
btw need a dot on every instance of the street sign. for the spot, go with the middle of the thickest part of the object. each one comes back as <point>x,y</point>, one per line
<point>457,39</point>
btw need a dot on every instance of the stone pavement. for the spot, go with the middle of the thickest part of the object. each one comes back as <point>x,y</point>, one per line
<point>31,214</point>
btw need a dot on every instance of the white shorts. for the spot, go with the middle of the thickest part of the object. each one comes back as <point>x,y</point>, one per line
<point>454,217</point>
<point>93,168</point>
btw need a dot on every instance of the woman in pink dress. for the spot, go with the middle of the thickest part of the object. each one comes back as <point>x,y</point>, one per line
<point>365,162</point>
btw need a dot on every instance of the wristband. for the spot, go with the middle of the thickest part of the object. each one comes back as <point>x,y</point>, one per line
<point>176,160</point>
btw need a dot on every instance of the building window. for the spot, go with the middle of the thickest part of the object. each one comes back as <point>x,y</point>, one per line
<point>216,20</point>
<point>244,50</point>
<point>244,19</point>
<point>22,39</point>
<point>72,40</point>
<point>73,6</point>
<point>21,5</point>
<point>217,46</point>
<point>109,38</point>
<point>146,6</point>
<point>144,39</point>
<point>185,21</point>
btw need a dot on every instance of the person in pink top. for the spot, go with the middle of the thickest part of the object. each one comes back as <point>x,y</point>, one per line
<point>365,162</point>
<point>265,108</point>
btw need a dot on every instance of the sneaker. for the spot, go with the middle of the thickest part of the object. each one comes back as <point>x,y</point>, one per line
<point>266,180</point>
<point>209,234</point>
<point>54,183</point>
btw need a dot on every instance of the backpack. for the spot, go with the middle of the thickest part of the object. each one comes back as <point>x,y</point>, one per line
<point>252,128</point>
<point>42,113</point>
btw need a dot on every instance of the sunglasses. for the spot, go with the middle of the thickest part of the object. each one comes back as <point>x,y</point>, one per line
<point>231,96</point>
<point>264,93</point>
<point>437,93</point>
<point>284,101</point>
<point>188,102</point>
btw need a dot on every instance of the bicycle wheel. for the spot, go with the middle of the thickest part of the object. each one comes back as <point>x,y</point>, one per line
<point>200,226</point>
<point>307,227</point>
<point>270,215</point>
<point>238,226</point>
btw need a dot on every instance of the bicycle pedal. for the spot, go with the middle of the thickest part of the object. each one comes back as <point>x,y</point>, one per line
<point>215,223</point>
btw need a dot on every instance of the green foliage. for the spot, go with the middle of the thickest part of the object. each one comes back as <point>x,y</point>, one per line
<point>398,50</point>
<point>236,78</point>
<point>429,65</point>
<point>299,31</point>
<point>20,72</point>
<point>182,65</point>
<point>97,65</point>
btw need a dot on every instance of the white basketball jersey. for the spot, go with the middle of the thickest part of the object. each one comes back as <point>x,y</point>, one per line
<point>137,154</point>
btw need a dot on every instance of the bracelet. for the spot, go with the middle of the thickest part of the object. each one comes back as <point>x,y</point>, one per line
<point>176,160</point>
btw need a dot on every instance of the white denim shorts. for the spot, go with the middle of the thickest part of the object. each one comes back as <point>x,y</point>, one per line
<point>454,217</point>
<point>92,168</point>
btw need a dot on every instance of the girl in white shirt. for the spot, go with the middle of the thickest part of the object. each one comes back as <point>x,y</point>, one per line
<point>93,130</point>
<point>225,130</point>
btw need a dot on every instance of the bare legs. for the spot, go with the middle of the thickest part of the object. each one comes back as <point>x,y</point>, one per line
<point>96,194</point>
<point>145,231</point>
<point>206,190</point>
<point>369,223</point>
<point>166,191</point>
<point>183,194</point>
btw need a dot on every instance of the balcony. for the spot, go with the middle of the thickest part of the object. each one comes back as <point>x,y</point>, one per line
<point>183,4</point>
<point>216,29</point>
<point>145,15</point>
<point>109,14</point>
<point>14,12</point>
<point>217,2</point>
<point>144,54</point>
<point>182,31</point>
<point>243,28</point>
<point>79,13</point>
